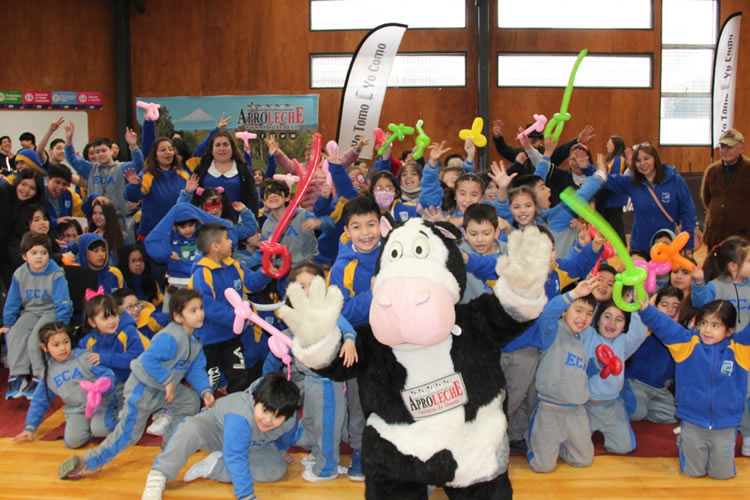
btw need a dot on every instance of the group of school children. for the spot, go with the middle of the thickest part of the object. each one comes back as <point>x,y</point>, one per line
<point>145,331</point>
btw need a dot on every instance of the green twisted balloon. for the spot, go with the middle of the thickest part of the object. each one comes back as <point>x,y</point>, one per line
<point>422,141</point>
<point>632,276</point>
<point>399,132</point>
<point>557,122</point>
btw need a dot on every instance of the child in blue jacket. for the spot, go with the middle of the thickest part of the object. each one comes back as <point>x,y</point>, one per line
<point>93,252</point>
<point>711,379</point>
<point>214,273</point>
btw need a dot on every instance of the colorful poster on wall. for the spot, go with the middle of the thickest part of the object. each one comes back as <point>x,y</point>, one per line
<point>45,99</point>
<point>292,118</point>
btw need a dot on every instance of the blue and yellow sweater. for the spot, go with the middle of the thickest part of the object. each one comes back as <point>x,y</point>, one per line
<point>352,273</point>
<point>711,380</point>
<point>117,350</point>
<point>108,277</point>
<point>158,195</point>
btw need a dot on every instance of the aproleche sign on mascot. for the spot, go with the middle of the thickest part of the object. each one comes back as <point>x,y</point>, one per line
<point>429,370</point>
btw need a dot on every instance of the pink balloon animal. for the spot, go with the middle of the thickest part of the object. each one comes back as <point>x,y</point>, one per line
<point>279,344</point>
<point>152,109</point>
<point>245,136</point>
<point>333,150</point>
<point>95,390</point>
<point>379,137</point>
<point>653,269</point>
<point>290,179</point>
<point>539,122</point>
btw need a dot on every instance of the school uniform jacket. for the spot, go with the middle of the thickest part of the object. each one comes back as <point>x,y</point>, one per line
<point>118,349</point>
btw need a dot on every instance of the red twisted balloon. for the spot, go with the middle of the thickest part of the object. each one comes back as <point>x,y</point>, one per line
<point>272,247</point>
<point>612,364</point>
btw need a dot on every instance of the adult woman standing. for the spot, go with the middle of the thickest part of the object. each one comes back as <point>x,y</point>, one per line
<point>661,198</point>
<point>222,165</point>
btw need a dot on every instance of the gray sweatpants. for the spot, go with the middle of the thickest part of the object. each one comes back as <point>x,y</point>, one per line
<point>23,343</point>
<point>79,430</point>
<point>324,414</point>
<point>201,433</point>
<point>610,418</point>
<point>519,368</point>
<point>704,451</point>
<point>139,402</point>
<point>356,415</point>
<point>654,405</point>
<point>558,430</point>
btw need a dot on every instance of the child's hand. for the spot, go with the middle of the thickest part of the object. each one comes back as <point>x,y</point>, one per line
<point>503,225</point>
<point>584,287</point>
<point>349,353</point>
<point>223,122</point>
<point>497,128</point>
<point>4,329</point>
<point>580,158</point>
<point>465,256</point>
<point>174,256</point>
<point>361,143</point>
<point>549,145</point>
<point>56,124</point>
<point>521,158</point>
<point>70,256</point>
<point>586,134</point>
<point>132,177</point>
<point>169,391</point>
<point>433,214</point>
<point>23,436</point>
<point>470,149</point>
<point>524,140</point>
<point>272,145</point>
<point>131,137</point>
<point>599,241</point>
<point>70,129</point>
<point>499,175</point>
<point>629,157</point>
<point>287,457</point>
<point>698,275</point>
<point>644,304</point>
<point>436,151</point>
<point>208,399</point>
<point>325,190</point>
<point>192,184</point>
<point>311,224</point>
<point>238,206</point>
<point>94,358</point>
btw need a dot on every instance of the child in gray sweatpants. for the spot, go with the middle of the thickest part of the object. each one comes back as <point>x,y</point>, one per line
<point>154,383</point>
<point>65,368</point>
<point>246,431</point>
<point>559,425</point>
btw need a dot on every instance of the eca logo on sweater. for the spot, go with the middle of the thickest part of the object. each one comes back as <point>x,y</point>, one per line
<point>35,293</point>
<point>726,367</point>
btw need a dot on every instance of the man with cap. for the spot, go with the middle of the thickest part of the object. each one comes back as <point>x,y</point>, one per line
<point>724,191</point>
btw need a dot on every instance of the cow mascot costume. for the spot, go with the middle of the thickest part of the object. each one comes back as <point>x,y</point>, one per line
<point>429,372</point>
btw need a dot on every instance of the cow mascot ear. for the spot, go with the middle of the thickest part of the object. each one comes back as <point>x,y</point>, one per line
<point>386,224</point>
<point>448,230</point>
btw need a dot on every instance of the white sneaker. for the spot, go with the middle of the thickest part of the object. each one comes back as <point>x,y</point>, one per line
<point>746,446</point>
<point>308,460</point>
<point>677,430</point>
<point>203,468</point>
<point>159,425</point>
<point>309,475</point>
<point>155,483</point>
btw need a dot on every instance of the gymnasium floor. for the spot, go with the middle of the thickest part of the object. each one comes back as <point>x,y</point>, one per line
<point>29,471</point>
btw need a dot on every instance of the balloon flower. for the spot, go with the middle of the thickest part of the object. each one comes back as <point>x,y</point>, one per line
<point>245,136</point>
<point>272,247</point>
<point>558,119</point>
<point>279,344</point>
<point>290,179</point>
<point>399,132</point>
<point>539,122</point>
<point>632,276</point>
<point>152,109</point>
<point>95,390</point>
<point>379,137</point>
<point>661,252</point>
<point>653,269</point>
<point>422,141</point>
<point>475,133</point>
<point>606,356</point>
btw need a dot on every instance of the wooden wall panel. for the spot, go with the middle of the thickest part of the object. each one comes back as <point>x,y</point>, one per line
<point>61,45</point>
<point>238,47</point>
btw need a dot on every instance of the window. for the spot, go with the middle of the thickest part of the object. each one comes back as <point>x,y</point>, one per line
<point>553,70</point>
<point>599,14</point>
<point>367,14</point>
<point>409,70</point>
<point>689,31</point>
